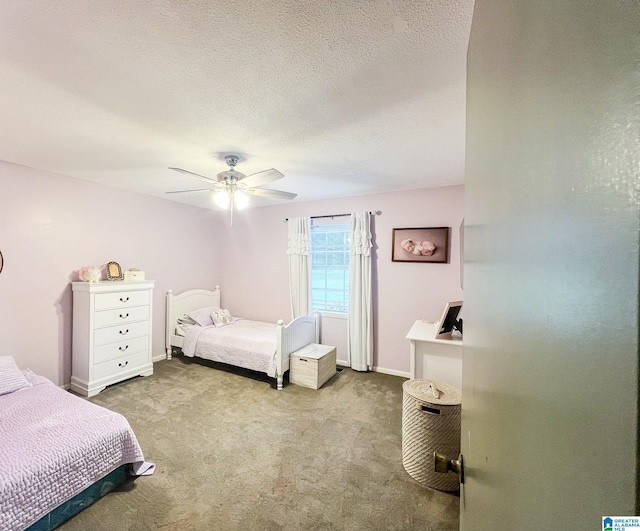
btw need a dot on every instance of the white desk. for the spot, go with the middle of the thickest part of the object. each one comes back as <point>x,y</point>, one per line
<point>434,359</point>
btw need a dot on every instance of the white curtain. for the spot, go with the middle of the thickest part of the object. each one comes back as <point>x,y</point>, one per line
<point>299,251</point>
<point>360,340</point>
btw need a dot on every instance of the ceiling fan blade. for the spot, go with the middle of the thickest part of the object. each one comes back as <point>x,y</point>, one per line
<point>276,194</point>
<point>184,191</point>
<point>262,177</point>
<point>208,179</point>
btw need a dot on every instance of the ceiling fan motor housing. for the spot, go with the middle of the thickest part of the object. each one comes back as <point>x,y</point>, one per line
<point>231,160</point>
<point>230,176</point>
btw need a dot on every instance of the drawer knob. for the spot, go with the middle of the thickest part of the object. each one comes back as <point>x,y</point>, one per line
<point>122,333</point>
<point>123,349</point>
<point>123,364</point>
<point>124,316</point>
<point>124,300</point>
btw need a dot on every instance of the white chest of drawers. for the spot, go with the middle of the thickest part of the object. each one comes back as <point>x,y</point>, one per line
<point>111,333</point>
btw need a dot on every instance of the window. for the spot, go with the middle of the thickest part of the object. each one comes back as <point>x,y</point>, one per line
<point>330,267</point>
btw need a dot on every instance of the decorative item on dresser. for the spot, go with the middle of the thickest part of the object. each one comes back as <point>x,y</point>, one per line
<point>133,274</point>
<point>114,271</point>
<point>90,274</point>
<point>111,333</point>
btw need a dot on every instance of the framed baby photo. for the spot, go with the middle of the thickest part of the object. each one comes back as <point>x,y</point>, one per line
<point>424,244</point>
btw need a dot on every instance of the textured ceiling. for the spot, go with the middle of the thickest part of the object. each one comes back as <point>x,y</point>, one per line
<point>344,97</point>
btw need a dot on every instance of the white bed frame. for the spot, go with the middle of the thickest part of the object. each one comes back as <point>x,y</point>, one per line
<point>289,338</point>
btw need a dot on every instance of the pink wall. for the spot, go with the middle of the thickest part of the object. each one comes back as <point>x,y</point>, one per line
<point>51,225</point>
<point>254,277</point>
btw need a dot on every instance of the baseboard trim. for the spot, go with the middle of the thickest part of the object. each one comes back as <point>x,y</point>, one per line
<point>159,358</point>
<point>391,372</point>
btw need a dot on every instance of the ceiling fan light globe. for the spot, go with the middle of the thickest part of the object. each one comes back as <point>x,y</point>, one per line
<point>222,199</point>
<point>240,199</point>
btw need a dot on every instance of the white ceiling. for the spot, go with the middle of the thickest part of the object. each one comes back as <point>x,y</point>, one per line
<point>344,97</point>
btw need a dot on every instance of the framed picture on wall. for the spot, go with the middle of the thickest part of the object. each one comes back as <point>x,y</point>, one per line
<point>423,244</point>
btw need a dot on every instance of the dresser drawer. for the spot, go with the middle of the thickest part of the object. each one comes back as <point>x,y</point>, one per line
<point>118,365</point>
<point>111,334</point>
<point>121,299</point>
<point>120,348</point>
<point>125,315</point>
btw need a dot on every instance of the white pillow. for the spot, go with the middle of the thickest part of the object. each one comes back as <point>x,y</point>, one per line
<point>186,320</point>
<point>11,378</point>
<point>221,318</point>
<point>203,315</point>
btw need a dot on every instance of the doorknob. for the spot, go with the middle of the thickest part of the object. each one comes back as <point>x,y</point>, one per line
<point>443,465</point>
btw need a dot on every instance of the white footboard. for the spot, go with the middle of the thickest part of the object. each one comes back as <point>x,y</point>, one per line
<point>292,337</point>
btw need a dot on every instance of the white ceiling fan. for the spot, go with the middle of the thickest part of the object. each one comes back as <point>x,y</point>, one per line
<point>232,188</point>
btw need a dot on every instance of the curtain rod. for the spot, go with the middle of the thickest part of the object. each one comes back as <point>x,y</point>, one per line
<point>332,216</point>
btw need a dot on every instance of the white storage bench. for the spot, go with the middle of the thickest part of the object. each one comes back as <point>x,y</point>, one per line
<point>313,365</point>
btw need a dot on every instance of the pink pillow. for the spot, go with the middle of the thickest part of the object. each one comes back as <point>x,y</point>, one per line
<point>11,378</point>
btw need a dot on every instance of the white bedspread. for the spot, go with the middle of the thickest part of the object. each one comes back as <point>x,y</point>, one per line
<point>53,445</point>
<point>248,344</point>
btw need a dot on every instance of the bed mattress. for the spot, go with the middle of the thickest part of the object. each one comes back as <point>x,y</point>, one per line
<point>244,343</point>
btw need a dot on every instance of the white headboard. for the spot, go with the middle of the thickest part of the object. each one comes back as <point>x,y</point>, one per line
<point>178,305</point>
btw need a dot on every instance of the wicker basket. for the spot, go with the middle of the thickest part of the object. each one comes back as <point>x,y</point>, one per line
<point>430,423</point>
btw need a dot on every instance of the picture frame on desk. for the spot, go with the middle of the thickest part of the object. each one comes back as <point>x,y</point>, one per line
<point>420,244</point>
<point>449,320</point>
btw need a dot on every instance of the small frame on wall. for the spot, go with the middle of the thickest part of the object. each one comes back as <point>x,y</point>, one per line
<point>424,244</point>
<point>114,271</point>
